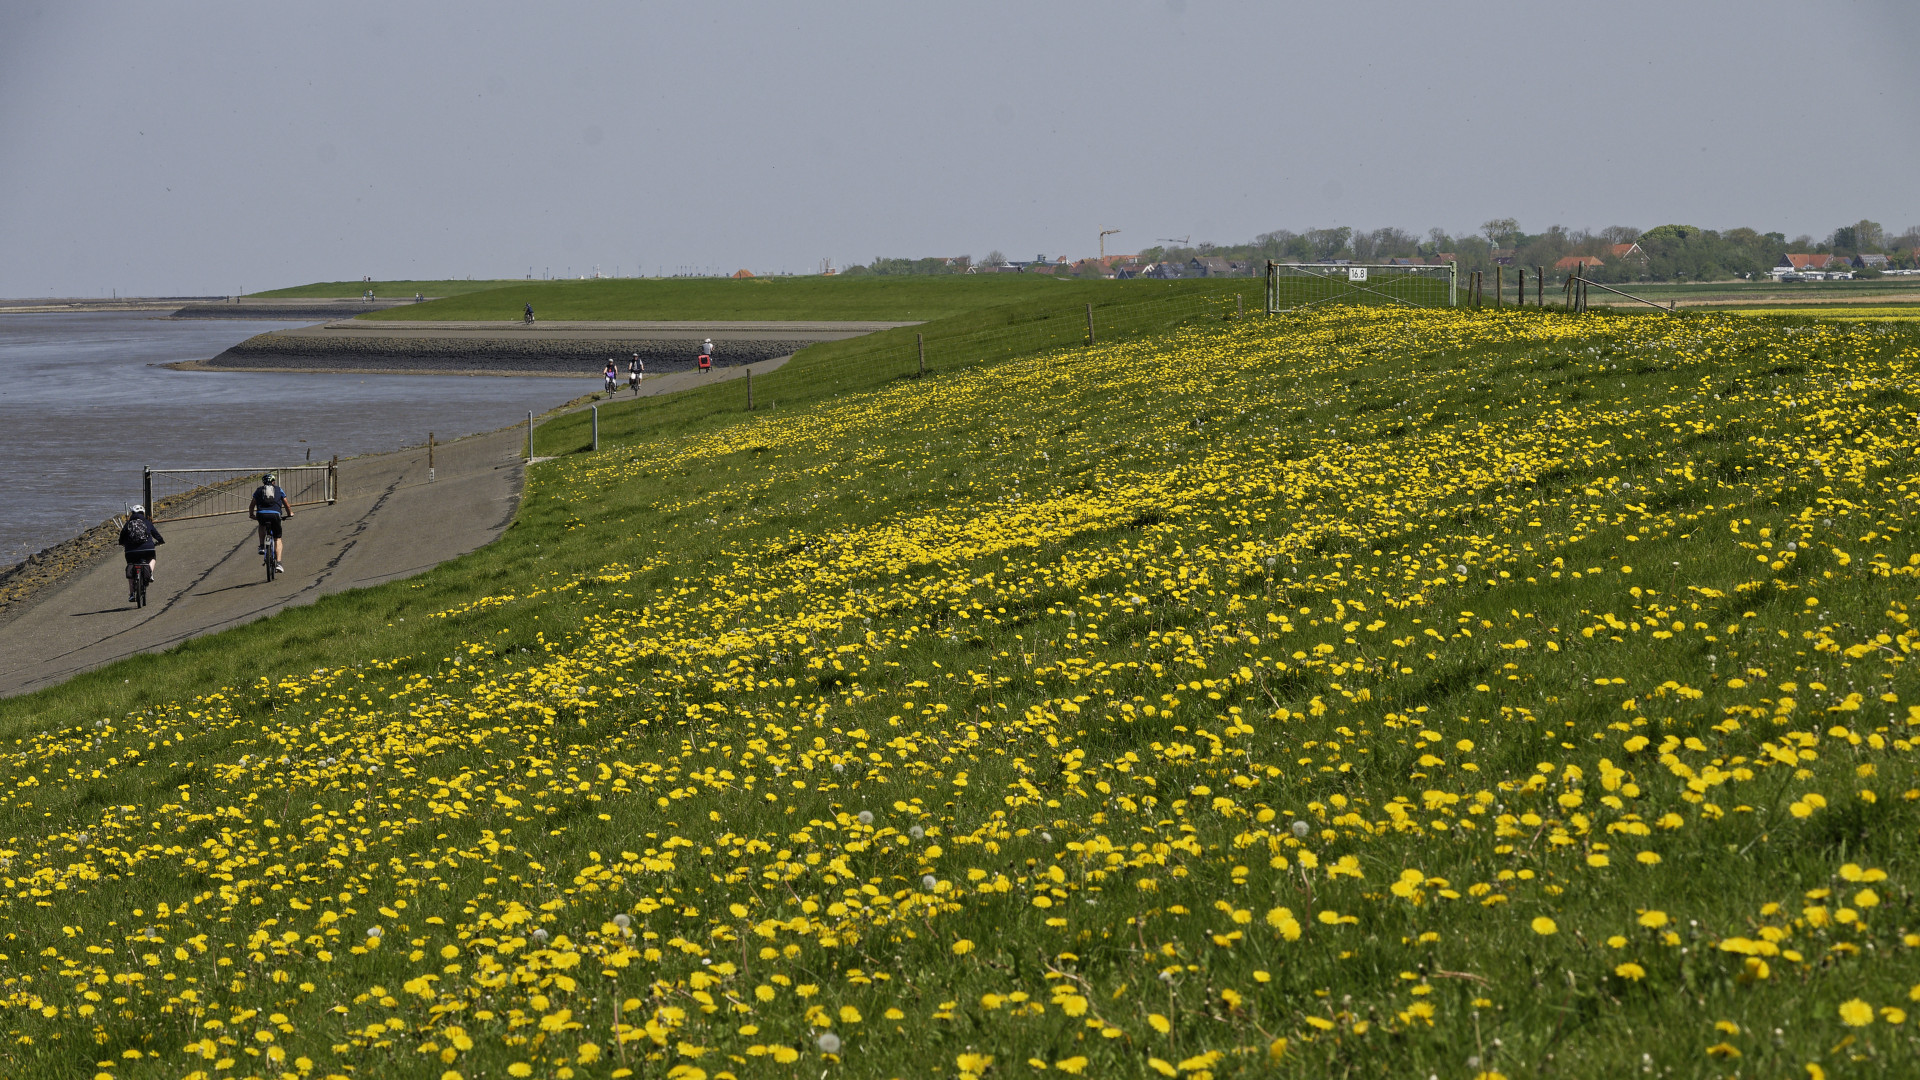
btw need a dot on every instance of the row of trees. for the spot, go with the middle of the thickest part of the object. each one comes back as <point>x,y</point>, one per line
<point>1667,253</point>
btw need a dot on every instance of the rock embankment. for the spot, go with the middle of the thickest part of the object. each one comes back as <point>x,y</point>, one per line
<point>508,354</point>
<point>49,567</point>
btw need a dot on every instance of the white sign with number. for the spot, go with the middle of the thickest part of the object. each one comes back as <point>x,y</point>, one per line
<point>1356,273</point>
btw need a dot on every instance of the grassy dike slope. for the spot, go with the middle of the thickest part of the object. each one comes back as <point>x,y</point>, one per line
<point>826,298</point>
<point>1375,692</point>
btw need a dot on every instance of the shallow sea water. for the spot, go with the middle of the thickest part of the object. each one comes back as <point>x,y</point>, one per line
<point>84,406</point>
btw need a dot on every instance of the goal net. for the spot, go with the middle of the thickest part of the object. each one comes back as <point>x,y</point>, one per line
<point>1293,286</point>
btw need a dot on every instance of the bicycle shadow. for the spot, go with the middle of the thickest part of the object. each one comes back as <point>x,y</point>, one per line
<point>102,611</point>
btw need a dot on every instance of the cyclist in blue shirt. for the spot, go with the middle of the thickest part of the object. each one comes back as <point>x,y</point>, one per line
<point>269,508</point>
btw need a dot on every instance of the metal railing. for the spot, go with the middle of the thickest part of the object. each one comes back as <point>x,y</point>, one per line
<point>179,494</point>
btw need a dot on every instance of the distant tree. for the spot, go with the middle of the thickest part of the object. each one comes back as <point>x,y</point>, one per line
<point>1500,232</point>
<point>1803,242</point>
<point>856,270</point>
<point>995,258</point>
<point>1328,243</point>
<point>1619,234</point>
<point>1862,235</point>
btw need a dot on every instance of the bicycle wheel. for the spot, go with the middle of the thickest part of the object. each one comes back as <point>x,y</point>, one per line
<point>140,588</point>
<point>269,561</point>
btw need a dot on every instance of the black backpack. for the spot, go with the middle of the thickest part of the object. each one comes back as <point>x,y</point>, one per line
<point>138,531</point>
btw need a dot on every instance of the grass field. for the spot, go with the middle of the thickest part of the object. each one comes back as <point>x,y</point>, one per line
<point>1866,312</point>
<point>1740,293</point>
<point>891,299</point>
<point>381,289</point>
<point>1367,692</point>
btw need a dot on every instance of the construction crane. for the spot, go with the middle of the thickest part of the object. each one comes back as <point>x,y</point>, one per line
<point>1183,241</point>
<point>1104,233</point>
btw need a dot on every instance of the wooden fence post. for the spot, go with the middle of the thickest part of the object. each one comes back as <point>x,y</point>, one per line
<point>1499,286</point>
<point>920,342</point>
<point>749,389</point>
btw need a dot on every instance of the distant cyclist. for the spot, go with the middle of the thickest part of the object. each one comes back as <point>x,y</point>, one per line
<point>138,538</point>
<point>635,369</point>
<point>269,508</point>
<point>706,355</point>
<point>607,373</point>
<point>529,314</point>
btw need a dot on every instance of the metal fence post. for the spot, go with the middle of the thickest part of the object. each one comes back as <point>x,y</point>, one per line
<point>146,489</point>
<point>1540,286</point>
<point>920,342</point>
<point>749,389</point>
<point>1453,283</point>
<point>1239,305</point>
<point>333,480</point>
<point>596,428</point>
<point>1089,325</point>
<point>529,436</point>
<point>429,457</point>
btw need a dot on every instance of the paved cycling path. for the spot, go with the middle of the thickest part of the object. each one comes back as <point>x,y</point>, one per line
<point>388,523</point>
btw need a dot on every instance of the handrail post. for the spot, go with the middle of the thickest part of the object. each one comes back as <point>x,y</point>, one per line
<point>596,428</point>
<point>333,479</point>
<point>529,436</point>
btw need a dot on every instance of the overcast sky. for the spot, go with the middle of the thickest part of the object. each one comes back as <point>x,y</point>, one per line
<point>208,148</point>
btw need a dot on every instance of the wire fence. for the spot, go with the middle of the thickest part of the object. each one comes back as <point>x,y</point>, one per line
<point>179,494</point>
<point>1292,286</point>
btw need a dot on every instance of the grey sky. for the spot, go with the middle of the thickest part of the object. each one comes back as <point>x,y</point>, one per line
<point>206,148</point>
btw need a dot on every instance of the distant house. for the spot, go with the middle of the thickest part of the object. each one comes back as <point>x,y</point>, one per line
<point>1405,260</point>
<point>1808,267</point>
<point>743,273</point>
<point>1213,266</point>
<point>1576,262</point>
<point>1803,263</point>
<point>1503,257</point>
<point>1163,271</point>
<point>1871,262</point>
<point>1623,252</point>
<point>1442,258</point>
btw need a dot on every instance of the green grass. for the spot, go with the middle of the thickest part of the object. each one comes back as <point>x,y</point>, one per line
<point>1029,330</point>
<point>886,299</point>
<point>1102,627</point>
<point>390,290</point>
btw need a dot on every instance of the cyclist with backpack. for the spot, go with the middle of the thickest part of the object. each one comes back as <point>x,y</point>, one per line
<point>269,508</point>
<point>138,538</point>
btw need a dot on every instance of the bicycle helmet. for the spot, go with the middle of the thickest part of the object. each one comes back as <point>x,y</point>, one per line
<point>137,509</point>
<point>268,478</point>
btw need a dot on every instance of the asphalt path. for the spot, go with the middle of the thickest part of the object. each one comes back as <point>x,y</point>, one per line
<point>388,522</point>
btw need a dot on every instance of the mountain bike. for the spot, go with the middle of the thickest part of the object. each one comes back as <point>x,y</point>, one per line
<point>139,576</point>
